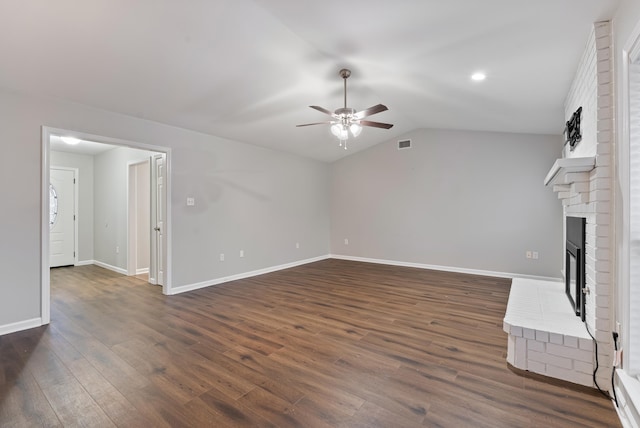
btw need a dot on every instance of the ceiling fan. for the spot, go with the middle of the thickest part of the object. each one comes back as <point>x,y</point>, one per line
<point>347,120</point>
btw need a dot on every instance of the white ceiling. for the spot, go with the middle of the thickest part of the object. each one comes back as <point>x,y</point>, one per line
<point>247,69</point>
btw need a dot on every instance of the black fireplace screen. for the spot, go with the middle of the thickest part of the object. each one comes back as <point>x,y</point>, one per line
<point>575,264</point>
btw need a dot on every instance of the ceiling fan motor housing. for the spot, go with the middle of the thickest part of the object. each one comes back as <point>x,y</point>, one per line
<point>345,111</point>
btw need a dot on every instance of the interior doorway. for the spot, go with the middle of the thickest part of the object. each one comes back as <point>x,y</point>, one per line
<point>146,218</point>
<point>160,250</point>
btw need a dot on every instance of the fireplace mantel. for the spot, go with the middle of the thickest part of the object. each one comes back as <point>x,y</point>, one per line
<point>558,174</point>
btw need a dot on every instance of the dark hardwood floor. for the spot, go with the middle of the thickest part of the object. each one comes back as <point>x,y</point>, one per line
<point>329,344</point>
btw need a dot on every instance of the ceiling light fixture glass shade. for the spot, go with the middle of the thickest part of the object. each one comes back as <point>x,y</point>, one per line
<point>335,129</point>
<point>355,129</point>
<point>340,131</point>
<point>72,141</point>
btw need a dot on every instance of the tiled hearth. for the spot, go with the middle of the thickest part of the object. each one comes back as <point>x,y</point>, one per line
<point>545,337</point>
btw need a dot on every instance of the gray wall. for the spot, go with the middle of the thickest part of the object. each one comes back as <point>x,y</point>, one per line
<point>267,201</point>
<point>455,199</point>
<point>84,164</point>
<point>471,200</point>
<point>259,199</point>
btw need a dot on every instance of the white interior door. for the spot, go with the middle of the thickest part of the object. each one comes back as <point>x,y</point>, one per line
<point>61,217</point>
<point>158,213</point>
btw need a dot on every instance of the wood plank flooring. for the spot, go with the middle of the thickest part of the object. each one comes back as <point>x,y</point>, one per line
<point>328,344</point>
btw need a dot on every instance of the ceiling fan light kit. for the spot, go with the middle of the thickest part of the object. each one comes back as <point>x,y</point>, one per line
<point>347,121</point>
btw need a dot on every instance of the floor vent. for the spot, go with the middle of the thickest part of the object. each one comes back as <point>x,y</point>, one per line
<point>404,144</point>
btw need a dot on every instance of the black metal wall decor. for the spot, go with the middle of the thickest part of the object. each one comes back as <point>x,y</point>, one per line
<point>573,129</point>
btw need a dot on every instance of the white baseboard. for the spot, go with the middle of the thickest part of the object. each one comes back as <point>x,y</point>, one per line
<point>19,326</point>
<point>628,393</point>
<point>444,268</point>
<point>110,267</point>
<point>203,284</point>
<point>113,268</point>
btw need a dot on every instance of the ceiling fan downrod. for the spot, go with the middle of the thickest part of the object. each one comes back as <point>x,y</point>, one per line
<point>345,73</point>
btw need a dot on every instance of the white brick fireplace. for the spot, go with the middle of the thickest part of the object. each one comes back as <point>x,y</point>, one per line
<point>553,341</point>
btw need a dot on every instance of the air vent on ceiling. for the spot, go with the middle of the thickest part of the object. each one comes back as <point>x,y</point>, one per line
<point>404,144</point>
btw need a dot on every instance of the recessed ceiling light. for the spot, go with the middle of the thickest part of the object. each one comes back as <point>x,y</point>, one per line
<point>478,76</point>
<point>72,141</point>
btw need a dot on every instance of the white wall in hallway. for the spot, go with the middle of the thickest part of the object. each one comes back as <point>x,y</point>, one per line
<point>110,199</point>
<point>142,200</point>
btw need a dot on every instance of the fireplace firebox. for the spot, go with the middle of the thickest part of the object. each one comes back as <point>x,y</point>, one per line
<point>575,264</point>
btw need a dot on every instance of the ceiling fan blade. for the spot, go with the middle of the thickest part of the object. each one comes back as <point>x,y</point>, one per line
<point>315,123</point>
<point>323,110</point>
<point>375,124</point>
<point>371,110</point>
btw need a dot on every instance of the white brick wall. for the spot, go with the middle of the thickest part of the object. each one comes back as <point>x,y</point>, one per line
<point>597,207</point>
<point>588,195</point>
<point>597,100</point>
<point>583,94</point>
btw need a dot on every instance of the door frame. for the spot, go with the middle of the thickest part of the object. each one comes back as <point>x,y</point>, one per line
<point>630,55</point>
<point>625,384</point>
<point>76,188</point>
<point>45,277</point>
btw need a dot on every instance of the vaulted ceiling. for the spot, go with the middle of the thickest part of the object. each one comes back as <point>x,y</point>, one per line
<point>247,70</point>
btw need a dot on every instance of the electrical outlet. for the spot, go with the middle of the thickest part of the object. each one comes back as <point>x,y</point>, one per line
<point>191,202</point>
<point>241,253</point>
<point>297,245</point>
<point>529,254</point>
<point>117,250</point>
<point>535,255</point>
<point>221,257</point>
<point>346,241</point>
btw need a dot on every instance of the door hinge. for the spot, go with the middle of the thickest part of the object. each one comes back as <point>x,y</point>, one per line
<point>74,254</point>
<point>74,217</point>
<point>74,181</point>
